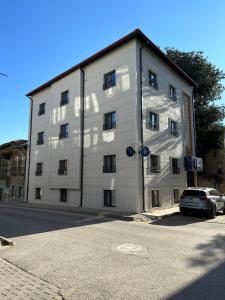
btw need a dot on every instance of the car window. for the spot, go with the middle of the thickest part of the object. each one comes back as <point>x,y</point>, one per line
<point>193,193</point>
<point>214,193</point>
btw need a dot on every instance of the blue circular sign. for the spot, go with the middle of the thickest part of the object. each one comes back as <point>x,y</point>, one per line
<point>144,151</point>
<point>130,151</point>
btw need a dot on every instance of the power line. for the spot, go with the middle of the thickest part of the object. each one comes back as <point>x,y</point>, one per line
<point>3,74</point>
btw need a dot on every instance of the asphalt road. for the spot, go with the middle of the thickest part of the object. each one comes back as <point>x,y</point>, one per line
<point>90,257</point>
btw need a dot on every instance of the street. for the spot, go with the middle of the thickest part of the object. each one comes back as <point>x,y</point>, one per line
<point>92,257</point>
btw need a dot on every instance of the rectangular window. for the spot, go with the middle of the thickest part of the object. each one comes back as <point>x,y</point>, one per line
<point>109,80</point>
<point>64,131</point>
<point>40,138</point>
<point>62,167</point>
<point>155,198</point>
<point>110,198</point>
<point>64,98</point>
<point>38,171</point>
<point>109,121</point>
<point>12,191</point>
<point>153,120</point>
<point>176,197</point>
<point>175,166</point>
<point>63,195</point>
<point>41,109</point>
<point>173,92</point>
<point>38,193</point>
<point>174,128</point>
<point>20,192</point>
<point>154,164</point>
<point>153,80</point>
<point>109,164</point>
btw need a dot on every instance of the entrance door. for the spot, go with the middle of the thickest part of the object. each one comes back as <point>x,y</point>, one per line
<point>1,194</point>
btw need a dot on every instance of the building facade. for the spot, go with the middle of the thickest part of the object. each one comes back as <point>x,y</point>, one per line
<point>12,170</point>
<point>88,127</point>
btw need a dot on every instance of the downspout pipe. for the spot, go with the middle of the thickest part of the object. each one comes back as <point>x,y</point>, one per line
<point>82,135</point>
<point>141,120</point>
<point>29,145</point>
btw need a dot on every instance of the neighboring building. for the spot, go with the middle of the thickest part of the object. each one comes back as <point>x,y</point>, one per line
<point>83,120</point>
<point>12,170</point>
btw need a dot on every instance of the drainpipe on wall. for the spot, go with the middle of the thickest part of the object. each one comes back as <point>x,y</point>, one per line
<point>82,135</point>
<point>194,133</point>
<point>29,145</point>
<point>142,136</point>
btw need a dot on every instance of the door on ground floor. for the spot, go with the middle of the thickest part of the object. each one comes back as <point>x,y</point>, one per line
<point>1,194</point>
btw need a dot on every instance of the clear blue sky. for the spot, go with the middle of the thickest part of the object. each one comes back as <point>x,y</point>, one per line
<point>41,38</point>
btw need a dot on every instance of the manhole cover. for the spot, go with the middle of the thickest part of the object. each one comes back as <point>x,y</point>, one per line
<point>127,248</point>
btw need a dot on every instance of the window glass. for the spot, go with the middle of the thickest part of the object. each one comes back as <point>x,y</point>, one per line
<point>109,164</point>
<point>153,80</point>
<point>109,120</point>
<point>193,193</point>
<point>153,120</point>
<point>109,80</point>
<point>110,198</point>
<point>64,98</point>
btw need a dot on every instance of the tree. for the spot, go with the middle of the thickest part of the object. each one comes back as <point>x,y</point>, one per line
<point>208,116</point>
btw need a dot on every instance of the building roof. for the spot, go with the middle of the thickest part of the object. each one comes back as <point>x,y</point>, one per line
<point>138,34</point>
<point>16,144</point>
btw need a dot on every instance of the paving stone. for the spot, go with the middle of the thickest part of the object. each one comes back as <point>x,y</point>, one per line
<point>17,284</point>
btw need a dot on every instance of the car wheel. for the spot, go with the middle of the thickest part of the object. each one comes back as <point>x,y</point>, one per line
<point>183,211</point>
<point>212,213</point>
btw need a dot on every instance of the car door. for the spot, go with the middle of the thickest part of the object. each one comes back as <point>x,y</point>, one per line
<point>215,196</point>
<point>219,199</point>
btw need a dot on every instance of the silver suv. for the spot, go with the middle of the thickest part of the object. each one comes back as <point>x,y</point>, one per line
<point>202,199</point>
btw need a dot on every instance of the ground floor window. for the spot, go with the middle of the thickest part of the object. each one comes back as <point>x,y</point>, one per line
<point>155,198</point>
<point>110,198</point>
<point>176,197</point>
<point>12,191</point>
<point>38,193</point>
<point>20,192</point>
<point>63,195</point>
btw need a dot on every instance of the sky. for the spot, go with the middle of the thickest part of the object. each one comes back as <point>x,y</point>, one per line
<point>40,39</point>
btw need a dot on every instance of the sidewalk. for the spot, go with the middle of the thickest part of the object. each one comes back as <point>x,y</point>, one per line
<point>119,215</point>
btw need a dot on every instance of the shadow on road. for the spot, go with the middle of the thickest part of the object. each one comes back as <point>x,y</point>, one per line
<point>212,285</point>
<point>179,220</point>
<point>16,222</point>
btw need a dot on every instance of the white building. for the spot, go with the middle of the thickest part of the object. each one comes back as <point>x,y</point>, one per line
<point>83,120</point>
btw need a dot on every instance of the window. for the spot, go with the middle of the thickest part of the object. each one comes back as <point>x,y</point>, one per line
<point>41,109</point>
<point>109,121</point>
<point>64,131</point>
<point>64,98</point>
<point>12,191</point>
<point>173,128</point>
<point>38,193</point>
<point>153,80</point>
<point>154,164</point>
<point>175,166</point>
<point>63,195</point>
<point>193,193</point>
<point>110,198</point>
<point>153,120</point>
<point>176,197</point>
<point>62,167</point>
<point>40,138</point>
<point>20,192</point>
<point>214,193</point>
<point>109,80</point>
<point>109,164</point>
<point>155,198</point>
<point>173,92</point>
<point>38,171</point>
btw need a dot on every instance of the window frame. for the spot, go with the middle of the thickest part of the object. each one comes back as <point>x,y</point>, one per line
<point>175,133</point>
<point>152,127</point>
<point>173,95</point>
<point>177,169</point>
<point>176,189</point>
<point>113,125</point>
<point>39,193</point>
<point>39,171</point>
<point>158,194</point>
<point>153,82</point>
<point>42,140</point>
<point>156,169</point>
<point>41,111</point>
<point>111,170</point>
<point>64,135</point>
<point>64,101</point>
<point>107,84</point>
<point>65,200</point>
<point>63,171</point>
<point>104,200</point>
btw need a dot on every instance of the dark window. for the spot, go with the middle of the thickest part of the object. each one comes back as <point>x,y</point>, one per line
<point>173,92</point>
<point>41,109</point>
<point>20,192</point>
<point>38,171</point>
<point>153,80</point>
<point>193,193</point>
<point>175,166</point>
<point>12,191</point>
<point>173,128</point>
<point>62,167</point>
<point>38,193</point>
<point>109,121</point>
<point>63,195</point>
<point>214,193</point>
<point>110,198</point>
<point>153,120</point>
<point>40,138</point>
<point>109,164</point>
<point>155,198</point>
<point>176,197</point>
<point>109,80</point>
<point>64,98</point>
<point>64,131</point>
<point>154,164</point>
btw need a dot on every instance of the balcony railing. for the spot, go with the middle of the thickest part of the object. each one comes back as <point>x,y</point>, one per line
<point>155,169</point>
<point>63,135</point>
<point>38,172</point>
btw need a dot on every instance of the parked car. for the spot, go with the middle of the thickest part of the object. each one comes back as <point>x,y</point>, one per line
<point>208,200</point>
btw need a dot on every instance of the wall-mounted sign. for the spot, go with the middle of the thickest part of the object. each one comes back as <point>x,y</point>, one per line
<point>130,151</point>
<point>144,151</point>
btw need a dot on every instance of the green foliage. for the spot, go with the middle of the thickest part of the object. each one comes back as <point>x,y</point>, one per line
<point>209,117</point>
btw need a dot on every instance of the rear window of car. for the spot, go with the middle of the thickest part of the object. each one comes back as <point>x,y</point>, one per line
<point>193,193</point>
